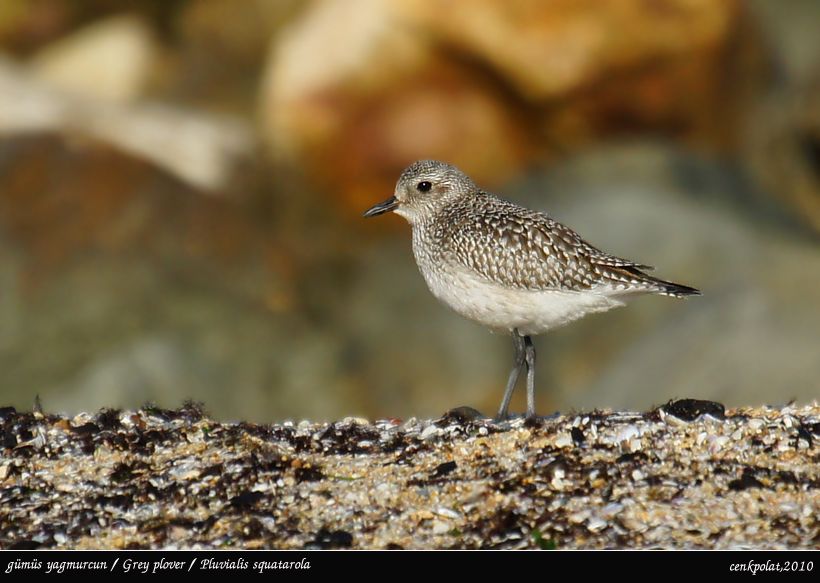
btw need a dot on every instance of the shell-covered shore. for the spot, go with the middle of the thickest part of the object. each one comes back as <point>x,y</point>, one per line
<point>688,474</point>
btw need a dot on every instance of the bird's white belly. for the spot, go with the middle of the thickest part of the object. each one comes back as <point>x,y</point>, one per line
<point>503,309</point>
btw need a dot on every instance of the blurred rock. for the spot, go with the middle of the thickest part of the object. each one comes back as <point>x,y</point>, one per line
<point>488,85</point>
<point>122,284</point>
<point>110,59</point>
<point>790,30</point>
<point>780,144</point>
<point>781,149</point>
<point>25,25</point>
<point>206,151</point>
<point>547,50</point>
<point>220,50</point>
<point>64,198</point>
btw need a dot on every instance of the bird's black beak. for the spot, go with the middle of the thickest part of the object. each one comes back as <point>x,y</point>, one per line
<point>383,207</point>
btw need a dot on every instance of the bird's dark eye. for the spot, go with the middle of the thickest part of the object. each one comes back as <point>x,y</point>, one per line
<point>423,186</point>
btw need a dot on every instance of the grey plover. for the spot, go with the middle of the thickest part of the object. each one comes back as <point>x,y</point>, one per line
<point>514,270</point>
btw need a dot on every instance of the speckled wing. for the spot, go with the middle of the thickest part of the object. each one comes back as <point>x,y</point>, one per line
<point>524,249</point>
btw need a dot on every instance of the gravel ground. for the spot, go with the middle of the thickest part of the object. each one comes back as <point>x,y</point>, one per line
<point>685,475</point>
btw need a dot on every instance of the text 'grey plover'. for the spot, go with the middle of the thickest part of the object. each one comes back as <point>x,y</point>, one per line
<point>514,270</point>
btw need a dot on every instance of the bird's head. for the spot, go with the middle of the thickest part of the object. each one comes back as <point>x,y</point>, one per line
<point>423,188</point>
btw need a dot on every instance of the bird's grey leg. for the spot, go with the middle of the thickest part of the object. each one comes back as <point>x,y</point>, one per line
<point>518,343</point>
<point>529,357</point>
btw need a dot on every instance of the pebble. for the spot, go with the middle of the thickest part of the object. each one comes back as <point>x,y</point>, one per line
<point>440,527</point>
<point>755,424</point>
<point>627,433</point>
<point>611,510</point>
<point>429,432</point>
<point>632,445</point>
<point>447,512</point>
<point>410,424</point>
<point>81,419</point>
<point>716,443</point>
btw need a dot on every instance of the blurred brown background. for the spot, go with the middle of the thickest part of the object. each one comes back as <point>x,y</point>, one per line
<point>181,185</point>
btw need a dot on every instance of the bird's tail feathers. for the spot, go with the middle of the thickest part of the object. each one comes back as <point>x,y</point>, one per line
<point>645,283</point>
<point>668,288</point>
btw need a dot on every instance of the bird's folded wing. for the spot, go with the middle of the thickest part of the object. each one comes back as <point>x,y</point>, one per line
<point>525,249</point>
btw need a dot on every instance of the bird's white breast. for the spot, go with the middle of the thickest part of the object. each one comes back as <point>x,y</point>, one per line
<point>503,309</point>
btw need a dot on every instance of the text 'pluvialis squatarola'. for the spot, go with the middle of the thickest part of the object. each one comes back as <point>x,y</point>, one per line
<point>514,270</point>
